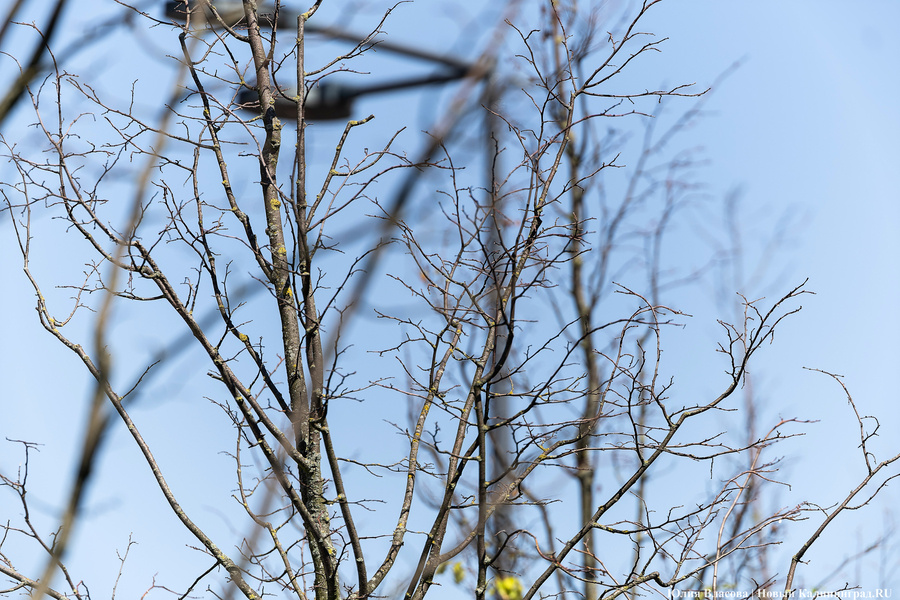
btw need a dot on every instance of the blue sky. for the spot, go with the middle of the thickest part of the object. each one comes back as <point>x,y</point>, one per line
<point>808,124</point>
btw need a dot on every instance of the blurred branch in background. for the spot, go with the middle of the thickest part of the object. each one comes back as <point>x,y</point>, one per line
<point>32,66</point>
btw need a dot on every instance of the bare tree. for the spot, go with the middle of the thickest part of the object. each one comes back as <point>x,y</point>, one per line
<point>512,326</point>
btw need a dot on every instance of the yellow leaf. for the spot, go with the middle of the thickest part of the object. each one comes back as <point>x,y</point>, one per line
<point>509,588</point>
<point>459,572</point>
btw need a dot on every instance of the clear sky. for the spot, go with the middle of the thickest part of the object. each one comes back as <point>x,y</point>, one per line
<point>810,123</point>
<point>807,126</point>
